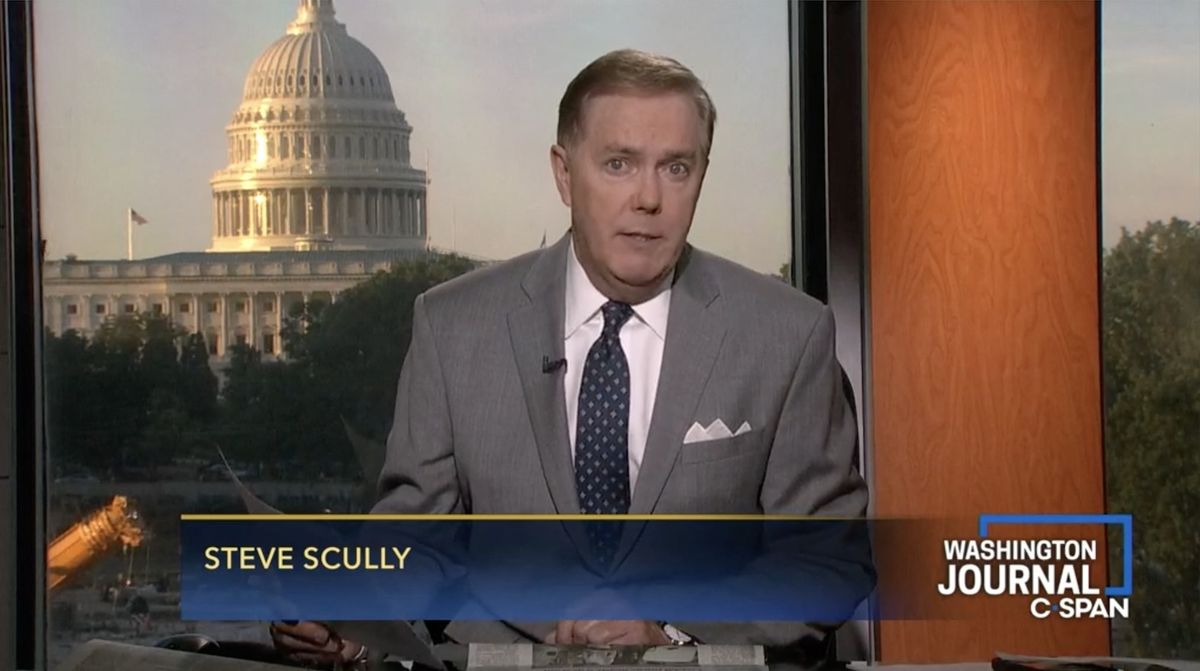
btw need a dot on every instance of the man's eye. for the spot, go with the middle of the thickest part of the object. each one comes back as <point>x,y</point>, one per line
<point>615,164</point>
<point>678,169</point>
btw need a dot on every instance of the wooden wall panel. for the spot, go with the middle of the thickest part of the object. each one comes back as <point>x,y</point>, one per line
<point>983,261</point>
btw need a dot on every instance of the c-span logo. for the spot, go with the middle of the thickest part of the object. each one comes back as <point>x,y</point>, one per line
<point>1055,572</point>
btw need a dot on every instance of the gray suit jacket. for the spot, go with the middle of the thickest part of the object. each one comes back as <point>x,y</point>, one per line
<point>479,427</point>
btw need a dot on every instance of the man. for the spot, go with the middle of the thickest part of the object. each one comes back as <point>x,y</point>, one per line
<point>510,366</point>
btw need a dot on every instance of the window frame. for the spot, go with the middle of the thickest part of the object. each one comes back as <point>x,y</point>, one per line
<point>828,218</point>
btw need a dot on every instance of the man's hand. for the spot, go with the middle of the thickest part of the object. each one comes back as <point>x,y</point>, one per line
<point>608,632</point>
<point>312,643</point>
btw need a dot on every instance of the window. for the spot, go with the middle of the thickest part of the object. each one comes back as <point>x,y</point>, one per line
<point>1150,270</point>
<point>72,309</point>
<point>101,309</point>
<point>129,308</point>
<point>454,108</point>
<point>158,308</point>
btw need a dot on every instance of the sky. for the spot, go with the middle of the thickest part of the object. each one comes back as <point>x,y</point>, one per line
<point>133,96</point>
<point>1149,113</point>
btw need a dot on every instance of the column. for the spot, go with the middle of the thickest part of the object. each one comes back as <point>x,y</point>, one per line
<point>344,206</point>
<point>196,314</point>
<point>402,197</point>
<point>401,203</point>
<point>325,212</point>
<point>410,212</point>
<point>251,331</point>
<point>385,210</point>
<point>397,212</point>
<point>307,213</point>
<point>422,223</point>
<point>278,323</point>
<point>362,210</point>
<point>216,218</point>
<point>378,211</point>
<point>86,311</point>
<point>223,334</point>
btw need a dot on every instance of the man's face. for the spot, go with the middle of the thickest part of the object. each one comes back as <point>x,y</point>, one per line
<point>632,179</point>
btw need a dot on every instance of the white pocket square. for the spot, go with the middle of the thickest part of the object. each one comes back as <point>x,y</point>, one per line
<point>715,431</point>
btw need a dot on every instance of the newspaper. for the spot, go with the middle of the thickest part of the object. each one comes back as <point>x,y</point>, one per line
<point>617,657</point>
<point>99,655</point>
<point>395,638</point>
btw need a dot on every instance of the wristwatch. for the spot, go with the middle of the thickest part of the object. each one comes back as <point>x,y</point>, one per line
<point>677,637</point>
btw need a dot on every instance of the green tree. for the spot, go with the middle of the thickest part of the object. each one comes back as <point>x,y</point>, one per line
<point>343,362</point>
<point>124,400</point>
<point>355,347</point>
<point>1151,331</point>
<point>198,384</point>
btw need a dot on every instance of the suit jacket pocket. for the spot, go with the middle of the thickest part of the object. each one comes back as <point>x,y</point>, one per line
<point>721,448</point>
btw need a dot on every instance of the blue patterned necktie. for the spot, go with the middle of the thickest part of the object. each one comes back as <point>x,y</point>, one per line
<point>602,431</point>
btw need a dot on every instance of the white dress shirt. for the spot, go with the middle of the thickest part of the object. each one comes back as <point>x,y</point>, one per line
<point>642,338</point>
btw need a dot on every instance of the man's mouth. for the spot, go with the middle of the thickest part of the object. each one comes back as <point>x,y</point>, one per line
<point>641,237</point>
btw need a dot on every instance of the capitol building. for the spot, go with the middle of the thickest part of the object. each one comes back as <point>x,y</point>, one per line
<point>318,195</point>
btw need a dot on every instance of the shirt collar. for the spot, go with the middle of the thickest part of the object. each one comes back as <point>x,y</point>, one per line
<point>584,300</point>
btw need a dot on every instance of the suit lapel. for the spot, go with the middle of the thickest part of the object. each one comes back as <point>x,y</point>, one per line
<point>694,337</point>
<point>536,331</point>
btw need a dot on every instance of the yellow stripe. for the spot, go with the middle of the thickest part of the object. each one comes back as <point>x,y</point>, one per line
<point>364,517</point>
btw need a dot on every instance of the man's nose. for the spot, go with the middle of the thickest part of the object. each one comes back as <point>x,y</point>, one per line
<point>648,198</point>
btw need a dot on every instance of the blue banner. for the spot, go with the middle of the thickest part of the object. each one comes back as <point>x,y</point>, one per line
<point>543,568</point>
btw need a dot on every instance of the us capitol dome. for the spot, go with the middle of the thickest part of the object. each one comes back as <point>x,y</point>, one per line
<point>318,195</point>
<point>319,154</point>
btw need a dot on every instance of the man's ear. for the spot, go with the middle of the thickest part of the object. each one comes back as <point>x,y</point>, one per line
<point>562,174</point>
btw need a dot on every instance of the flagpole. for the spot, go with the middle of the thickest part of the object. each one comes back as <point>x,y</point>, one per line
<point>428,180</point>
<point>129,230</point>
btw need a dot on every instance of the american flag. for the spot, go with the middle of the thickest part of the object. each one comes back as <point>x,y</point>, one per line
<point>137,218</point>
